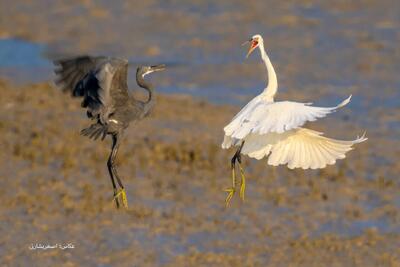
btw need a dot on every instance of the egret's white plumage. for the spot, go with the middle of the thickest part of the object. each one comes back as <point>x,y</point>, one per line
<point>298,148</point>
<point>261,116</point>
<point>272,129</point>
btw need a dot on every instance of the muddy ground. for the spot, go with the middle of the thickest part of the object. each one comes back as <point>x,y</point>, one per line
<point>54,184</point>
<point>55,189</point>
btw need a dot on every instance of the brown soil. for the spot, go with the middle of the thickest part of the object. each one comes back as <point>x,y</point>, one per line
<point>55,189</point>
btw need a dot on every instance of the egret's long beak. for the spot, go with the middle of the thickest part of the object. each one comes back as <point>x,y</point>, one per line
<point>253,45</point>
<point>245,43</point>
<point>158,67</point>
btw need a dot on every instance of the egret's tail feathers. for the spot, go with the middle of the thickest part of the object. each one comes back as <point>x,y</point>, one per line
<point>94,131</point>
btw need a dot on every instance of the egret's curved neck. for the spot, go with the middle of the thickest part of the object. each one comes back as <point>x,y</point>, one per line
<point>272,87</point>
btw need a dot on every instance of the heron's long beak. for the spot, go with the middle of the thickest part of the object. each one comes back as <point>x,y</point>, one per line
<point>253,45</point>
<point>158,67</point>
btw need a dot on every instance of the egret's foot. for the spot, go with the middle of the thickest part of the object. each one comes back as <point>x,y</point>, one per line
<point>231,191</point>
<point>242,184</point>
<point>121,194</point>
<point>242,189</point>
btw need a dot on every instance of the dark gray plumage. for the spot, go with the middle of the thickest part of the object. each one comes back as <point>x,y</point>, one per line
<point>102,83</point>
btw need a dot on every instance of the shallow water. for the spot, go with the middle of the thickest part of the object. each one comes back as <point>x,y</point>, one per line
<point>23,62</point>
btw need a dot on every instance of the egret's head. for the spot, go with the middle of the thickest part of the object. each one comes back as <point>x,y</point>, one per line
<point>254,41</point>
<point>144,70</point>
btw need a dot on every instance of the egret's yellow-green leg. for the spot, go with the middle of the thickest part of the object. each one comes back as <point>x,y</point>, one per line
<point>242,182</point>
<point>231,191</point>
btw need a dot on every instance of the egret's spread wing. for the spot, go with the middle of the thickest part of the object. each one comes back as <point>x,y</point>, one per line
<point>101,81</point>
<point>262,117</point>
<point>299,148</point>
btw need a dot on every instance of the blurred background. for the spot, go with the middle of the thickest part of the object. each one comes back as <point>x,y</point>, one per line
<point>54,185</point>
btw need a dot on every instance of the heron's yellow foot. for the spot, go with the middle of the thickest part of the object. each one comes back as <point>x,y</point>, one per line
<point>242,183</point>
<point>115,198</point>
<point>231,191</point>
<point>121,194</point>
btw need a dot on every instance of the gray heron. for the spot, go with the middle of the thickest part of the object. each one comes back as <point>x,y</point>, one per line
<point>102,83</point>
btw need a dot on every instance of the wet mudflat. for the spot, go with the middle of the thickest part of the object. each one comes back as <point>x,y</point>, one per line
<point>54,186</point>
<point>55,189</point>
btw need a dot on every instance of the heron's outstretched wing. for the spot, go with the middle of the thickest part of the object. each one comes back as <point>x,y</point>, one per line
<point>298,148</point>
<point>101,81</point>
<point>70,71</point>
<point>262,117</point>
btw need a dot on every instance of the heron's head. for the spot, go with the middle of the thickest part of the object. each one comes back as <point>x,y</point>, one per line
<point>144,70</point>
<point>254,41</point>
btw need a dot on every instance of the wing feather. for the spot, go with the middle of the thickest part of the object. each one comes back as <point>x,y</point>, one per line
<point>329,160</point>
<point>299,148</point>
<point>99,80</point>
<point>309,160</point>
<point>262,117</point>
<point>293,154</point>
<point>303,155</point>
<point>70,71</point>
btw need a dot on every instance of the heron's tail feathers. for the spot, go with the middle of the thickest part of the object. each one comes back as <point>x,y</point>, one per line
<point>94,131</point>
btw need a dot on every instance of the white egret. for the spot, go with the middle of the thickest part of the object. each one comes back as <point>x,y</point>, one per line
<point>264,128</point>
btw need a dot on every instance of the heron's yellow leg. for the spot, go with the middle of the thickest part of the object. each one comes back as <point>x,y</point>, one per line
<point>231,191</point>
<point>242,183</point>
<point>115,198</point>
<point>121,194</point>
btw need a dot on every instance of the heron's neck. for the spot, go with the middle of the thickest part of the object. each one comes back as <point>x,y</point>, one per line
<point>272,87</point>
<point>145,85</point>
